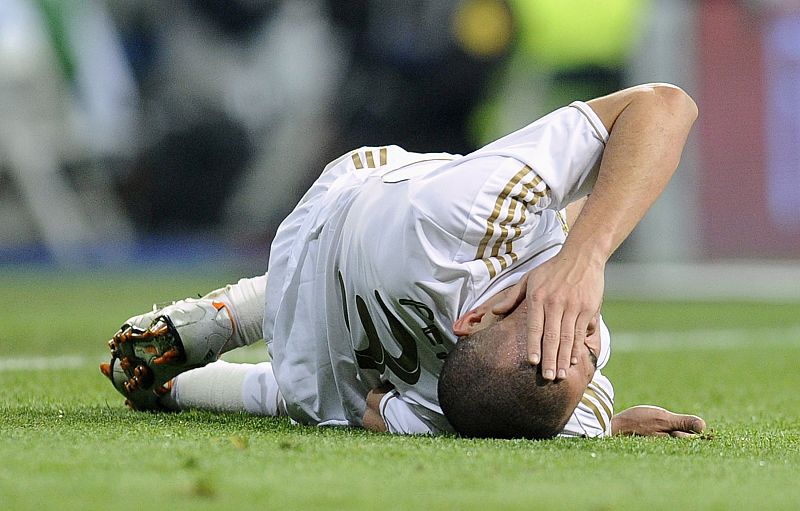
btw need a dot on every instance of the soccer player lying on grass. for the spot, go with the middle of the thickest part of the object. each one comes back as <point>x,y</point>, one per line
<point>429,293</point>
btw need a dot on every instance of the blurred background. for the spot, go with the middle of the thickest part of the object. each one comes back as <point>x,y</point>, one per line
<point>142,133</point>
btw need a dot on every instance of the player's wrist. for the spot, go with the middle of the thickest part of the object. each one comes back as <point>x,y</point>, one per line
<point>586,254</point>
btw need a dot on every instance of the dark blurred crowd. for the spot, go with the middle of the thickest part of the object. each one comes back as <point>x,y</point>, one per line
<point>215,115</point>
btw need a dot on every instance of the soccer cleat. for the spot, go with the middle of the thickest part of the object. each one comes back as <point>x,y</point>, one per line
<point>182,336</point>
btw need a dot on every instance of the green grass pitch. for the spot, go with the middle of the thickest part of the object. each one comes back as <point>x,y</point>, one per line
<point>67,442</point>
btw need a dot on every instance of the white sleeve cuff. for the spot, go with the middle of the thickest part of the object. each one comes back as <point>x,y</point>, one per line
<point>400,417</point>
<point>592,416</point>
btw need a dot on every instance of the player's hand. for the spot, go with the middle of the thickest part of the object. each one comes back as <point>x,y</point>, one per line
<point>645,420</point>
<point>563,296</point>
<point>373,420</point>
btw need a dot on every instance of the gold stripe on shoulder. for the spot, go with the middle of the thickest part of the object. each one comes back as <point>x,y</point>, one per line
<point>504,263</point>
<point>512,211</point>
<point>498,206</point>
<point>383,156</point>
<point>489,262</point>
<point>516,227</point>
<point>602,402</point>
<point>370,160</point>
<point>602,391</point>
<point>596,412</point>
<point>510,230</point>
<point>357,161</point>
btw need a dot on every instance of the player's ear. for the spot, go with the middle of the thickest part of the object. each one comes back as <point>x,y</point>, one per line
<point>469,323</point>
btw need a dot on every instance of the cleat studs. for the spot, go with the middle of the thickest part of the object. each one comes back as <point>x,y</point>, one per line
<point>167,357</point>
<point>125,364</point>
<point>132,384</point>
<point>127,386</point>
<point>141,372</point>
<point>125,335</point>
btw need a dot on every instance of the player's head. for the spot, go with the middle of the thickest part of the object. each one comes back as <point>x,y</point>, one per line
<point>487,387</point>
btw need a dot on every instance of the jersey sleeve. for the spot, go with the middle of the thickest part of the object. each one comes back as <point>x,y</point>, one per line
<point>592,417</point>
<point>400,417</point>
<point>498,206</point>
<point>564,148</point>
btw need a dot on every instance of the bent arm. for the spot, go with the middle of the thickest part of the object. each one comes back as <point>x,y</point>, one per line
<point>648,127</point>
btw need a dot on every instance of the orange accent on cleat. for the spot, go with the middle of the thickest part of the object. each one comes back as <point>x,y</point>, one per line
<point>124,336</point>
<point>167,357</point>
<point>158,332</point>
<point>106,370</point>
<point>218,305</point>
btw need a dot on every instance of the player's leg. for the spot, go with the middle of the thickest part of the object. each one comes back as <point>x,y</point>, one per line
<point>152,348</point>
<point>227,387</point>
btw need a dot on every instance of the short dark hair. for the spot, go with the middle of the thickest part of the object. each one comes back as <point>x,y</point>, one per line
<point>488,389</point>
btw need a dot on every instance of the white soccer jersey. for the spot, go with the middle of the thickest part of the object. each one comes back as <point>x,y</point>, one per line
<point>388,248</point>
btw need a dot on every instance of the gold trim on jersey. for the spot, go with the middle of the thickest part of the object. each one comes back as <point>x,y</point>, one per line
<point>602,391</point>
<point>564,225</point>
<point>590,392</point>
<point>357,161</point>
<point>510,230</point>
<point>369,157</point>
<point>585,400</point>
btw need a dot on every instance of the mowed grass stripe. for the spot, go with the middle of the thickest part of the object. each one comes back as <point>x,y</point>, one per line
<point>43,363</point>
<point>703,339</point>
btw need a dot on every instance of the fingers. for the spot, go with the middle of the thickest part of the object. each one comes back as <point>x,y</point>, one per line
<point>582,326</point>
<point>682,425</point>
<point>551,339</point>
<point>535,332</point>
<point>677,423</point>
<point>692,424</point>
<point>566,344</point>
<point>562,341</point>
<point>556,338</point>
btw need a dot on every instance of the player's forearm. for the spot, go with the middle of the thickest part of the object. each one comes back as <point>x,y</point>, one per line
<point>643,150</point>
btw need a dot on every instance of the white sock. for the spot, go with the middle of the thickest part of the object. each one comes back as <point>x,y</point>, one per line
<point>260,392</point>
<point>216,387</point>
<point>227,387</point>
<point>245,301</point>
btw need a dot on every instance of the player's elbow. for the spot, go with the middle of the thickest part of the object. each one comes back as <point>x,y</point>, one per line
<point>675,100</point>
